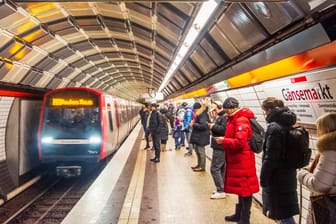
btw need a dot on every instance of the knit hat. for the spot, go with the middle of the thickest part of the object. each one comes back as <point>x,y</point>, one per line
<point>197,105</point>
<point>230,103</point>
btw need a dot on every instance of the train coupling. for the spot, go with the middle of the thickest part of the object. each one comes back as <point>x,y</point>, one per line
<point>68,171</point>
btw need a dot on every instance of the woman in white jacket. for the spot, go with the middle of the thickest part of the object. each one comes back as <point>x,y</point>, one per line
<point>320,176</point>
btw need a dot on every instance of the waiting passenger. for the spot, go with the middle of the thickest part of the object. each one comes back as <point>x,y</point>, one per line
<point>164,129</point>
<point>154,126</point>
<point>200,135</point>
<point>217,167</point>
<point>320,176</point>
<point>280,201</point>
<point>188,115</point>
<point>240,173</point>
<point>177,130</point>
<point>144,113</point>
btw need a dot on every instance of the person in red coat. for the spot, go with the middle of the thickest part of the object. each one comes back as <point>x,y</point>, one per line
<point>240,174</point>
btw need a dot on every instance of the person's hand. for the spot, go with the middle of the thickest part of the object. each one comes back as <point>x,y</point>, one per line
<point>191,124</point>
<point>219,140</point>
<point>210,125</point>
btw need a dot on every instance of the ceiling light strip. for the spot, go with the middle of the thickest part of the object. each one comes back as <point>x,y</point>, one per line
<point>203,15</point>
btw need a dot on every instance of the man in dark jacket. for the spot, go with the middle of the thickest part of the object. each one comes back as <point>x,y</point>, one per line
<point>144,113</point>
<point>154,126</point>
<point>218,155</point>
<point>200,135</point>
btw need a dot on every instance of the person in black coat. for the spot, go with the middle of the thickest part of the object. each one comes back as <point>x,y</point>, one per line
<point>164,129</point>
<point>279,195</point>
<point>144,113</point>
<point>154,126</point>
<point>200,135</point>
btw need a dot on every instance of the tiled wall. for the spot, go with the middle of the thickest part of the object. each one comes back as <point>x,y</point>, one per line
<point>5,105</point>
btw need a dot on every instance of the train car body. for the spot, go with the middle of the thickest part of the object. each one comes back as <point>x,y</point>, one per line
<point>82,125</point>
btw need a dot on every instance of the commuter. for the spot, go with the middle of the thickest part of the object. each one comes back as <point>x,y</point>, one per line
<point>164,129</point>
<point>144,113</point>
<point>200,135</point>
<point>280,201</point>
<point>188,115</point>
<point>218,155</point>
<point>177,133</point>
<point>154,126</point>
<point>170,115</point>
<point>240,172</point>
<point>320,176</point>
<point>180,115</point>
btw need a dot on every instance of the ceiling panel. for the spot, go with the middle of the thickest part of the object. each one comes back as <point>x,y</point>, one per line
<point>275,16</point>
<point>241,28</point>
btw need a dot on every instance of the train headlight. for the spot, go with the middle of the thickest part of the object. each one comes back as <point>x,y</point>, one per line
<point>95,140</point>
<point>47,140</point>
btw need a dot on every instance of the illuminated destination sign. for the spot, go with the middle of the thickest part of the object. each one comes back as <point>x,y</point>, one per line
<point>71,102</point>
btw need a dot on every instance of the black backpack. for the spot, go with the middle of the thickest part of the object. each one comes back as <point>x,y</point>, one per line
<point>258,134</point>
<point>297,152</point>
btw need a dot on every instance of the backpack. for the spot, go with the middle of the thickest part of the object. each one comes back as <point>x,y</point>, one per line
<point>297,153</point>
<point>258,134</point>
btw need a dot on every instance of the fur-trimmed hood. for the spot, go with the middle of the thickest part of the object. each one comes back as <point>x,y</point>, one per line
<point>203,108</point>
<point>327,142</point>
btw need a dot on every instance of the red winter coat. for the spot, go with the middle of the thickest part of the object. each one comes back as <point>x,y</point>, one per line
<point>240,175</point>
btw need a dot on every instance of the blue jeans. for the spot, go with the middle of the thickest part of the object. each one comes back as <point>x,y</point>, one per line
<point>146,136</point>
<point>289,220</point>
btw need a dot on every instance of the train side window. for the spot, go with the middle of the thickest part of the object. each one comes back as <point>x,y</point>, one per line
<point>109,113</point>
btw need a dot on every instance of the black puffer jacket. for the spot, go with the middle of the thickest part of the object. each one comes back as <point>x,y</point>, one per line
<point>218,130</point>
<point>200,134</point>
<point>279,194</point>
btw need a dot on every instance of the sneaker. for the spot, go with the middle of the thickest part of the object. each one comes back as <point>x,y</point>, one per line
<point>188,154</point>
<point>218,195</point>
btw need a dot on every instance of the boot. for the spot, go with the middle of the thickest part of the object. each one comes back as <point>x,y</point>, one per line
<point>236,216</point>
<point>246,210</point>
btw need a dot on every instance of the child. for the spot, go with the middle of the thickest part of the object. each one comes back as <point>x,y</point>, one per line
<point>177,133</point>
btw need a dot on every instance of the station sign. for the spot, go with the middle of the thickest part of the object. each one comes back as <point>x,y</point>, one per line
<point>308,96</point>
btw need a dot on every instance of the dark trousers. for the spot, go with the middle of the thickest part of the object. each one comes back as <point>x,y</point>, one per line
<point>217,168</point>
<point>146,130</point>
<point>156,143</point>
<point>245,204</point>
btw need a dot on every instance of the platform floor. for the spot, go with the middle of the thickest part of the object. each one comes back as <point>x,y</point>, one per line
<point>133,190</point>
<point>170,192</point>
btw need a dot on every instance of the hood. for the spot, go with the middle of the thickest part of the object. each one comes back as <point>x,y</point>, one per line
<point>282,116</point>
<point>246,112</point>
<point>327,142</point>
<point>204,108</point>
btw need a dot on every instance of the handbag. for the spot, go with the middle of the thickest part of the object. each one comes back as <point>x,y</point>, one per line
<point>324,208</point>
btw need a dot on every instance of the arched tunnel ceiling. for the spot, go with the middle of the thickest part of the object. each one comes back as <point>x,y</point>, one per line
<point>127,47</point>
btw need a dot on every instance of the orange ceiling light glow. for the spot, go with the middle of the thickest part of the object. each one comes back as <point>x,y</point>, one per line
<point>33,35</point>
<point>315,58</point>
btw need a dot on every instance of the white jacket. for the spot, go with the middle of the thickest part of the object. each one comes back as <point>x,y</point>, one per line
<point>323,179</point>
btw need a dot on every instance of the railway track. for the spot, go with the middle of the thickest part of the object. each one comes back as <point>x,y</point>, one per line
<point>49,200</point>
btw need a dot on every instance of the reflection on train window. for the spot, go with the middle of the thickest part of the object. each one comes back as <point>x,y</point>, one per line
<point>84,117</point>
<point>110,116</point>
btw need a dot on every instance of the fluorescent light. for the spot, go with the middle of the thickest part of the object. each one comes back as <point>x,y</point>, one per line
<point>47,140</point>
<point>201,19</point>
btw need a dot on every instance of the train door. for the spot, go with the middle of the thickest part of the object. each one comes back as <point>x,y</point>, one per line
<point>112,124</point>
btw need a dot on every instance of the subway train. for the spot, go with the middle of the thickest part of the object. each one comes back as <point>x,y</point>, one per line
<point>80,126</point>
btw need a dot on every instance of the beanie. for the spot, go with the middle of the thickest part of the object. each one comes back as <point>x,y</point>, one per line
<point>230,103</point>
<point>197,105</point>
